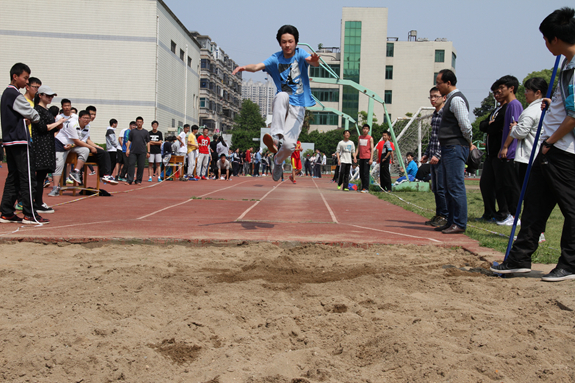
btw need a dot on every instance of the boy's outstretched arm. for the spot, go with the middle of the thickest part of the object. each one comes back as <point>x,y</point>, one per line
<point>250,68</point>
<point>313,59</point>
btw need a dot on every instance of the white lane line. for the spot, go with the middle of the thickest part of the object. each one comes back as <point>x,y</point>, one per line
<point>392,232</point>
<point>256,204</point>
<point>334,219</point>
<point>36,227</point>
<point>189,200</point>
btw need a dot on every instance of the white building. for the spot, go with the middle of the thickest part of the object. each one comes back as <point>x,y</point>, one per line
<point>401,72</point>
<point>262,93</point>
<point>128,58</point>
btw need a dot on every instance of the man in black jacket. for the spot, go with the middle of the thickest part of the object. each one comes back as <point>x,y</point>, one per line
<point>16,110</point>
<point>490,183</point>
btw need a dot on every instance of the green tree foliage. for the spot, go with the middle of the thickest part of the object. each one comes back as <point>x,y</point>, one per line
<point>478,135</point>
<point>487,106</point>
<point>545,73</point>
<point>247,126</point>
<point>250,117</point>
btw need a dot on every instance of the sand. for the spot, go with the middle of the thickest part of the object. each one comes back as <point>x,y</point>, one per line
<point>260,313</point>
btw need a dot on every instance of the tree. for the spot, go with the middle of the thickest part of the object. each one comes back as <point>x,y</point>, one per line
<point>478,134</point>
<point>249,117</point>
<point>243,139</point>
<point>545,73</point>
<point>487,106</point>
<point>319,46</point>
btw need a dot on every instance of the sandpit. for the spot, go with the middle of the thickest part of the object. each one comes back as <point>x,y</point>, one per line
<point>259,313</point>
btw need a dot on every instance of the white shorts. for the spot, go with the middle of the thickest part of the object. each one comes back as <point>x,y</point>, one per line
<point>155,159</point>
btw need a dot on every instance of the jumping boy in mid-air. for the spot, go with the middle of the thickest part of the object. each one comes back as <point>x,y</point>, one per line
<point>288,69</point>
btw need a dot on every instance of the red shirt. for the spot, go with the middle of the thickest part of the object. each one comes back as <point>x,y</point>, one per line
<point>248,156</point>
<point>379,148</point>
<point>296,152</point>
<point>204,144</point>
<point>364,144</point>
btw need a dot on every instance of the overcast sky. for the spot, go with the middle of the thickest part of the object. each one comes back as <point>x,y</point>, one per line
<point>492,38</point>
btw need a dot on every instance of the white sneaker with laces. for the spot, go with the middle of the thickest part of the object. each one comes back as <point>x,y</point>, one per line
<point>109,179</point>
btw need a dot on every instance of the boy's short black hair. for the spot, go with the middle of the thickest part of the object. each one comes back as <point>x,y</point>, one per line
<point>83,113</point>
<point>346,131</point>
<point>206,128</point>
<point>448,75</point>
<point>495,86</point>
<point>65,101</point>
<point>560,24</point>
<point>222,155</point>
<point>509,81</point>
<point>154,122</point>
<point>288,29</point>
<point>409,154</point>
<point>72,108</point>
<point>34,80</point>
<point>537,83</point>
<point>386,132</point>
<point>19,68</point>
<point>434,89</point>
<point>195,127</point>
<point>139,118</point>
<point>186,126</point>
<point>54,110</point>
<point>133,123</point>
<point>91,108</point>
<point>113,121</point>
<point>365,126</point>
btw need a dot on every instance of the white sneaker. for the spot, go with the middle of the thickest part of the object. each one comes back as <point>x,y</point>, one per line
<point>55,192</point>
<point>109,179</point>
<point>507,221</point>
<point>542,238</point>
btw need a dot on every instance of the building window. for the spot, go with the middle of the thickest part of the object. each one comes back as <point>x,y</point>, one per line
<point>189,61</point>
<point>205,64</point>
<point>389,72</point>
<point>202,102</point>
<point>322,73</point>
<point>390,47</point>
<point>351,67</point>
<point>204,83</point>
<point>327,95</point>
<point>324,118</point>
<point>182,54</point>
<point>453,59</point>
<point>439,55</point>
<point>387,97</point>
<point>173,123</point>
<point>435,78</point>
<point>173,47</point>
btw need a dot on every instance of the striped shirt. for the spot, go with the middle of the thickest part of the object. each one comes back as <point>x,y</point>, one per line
<point>434,149</point>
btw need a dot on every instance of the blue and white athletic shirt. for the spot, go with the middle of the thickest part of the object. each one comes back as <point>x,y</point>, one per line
<point>290,76</point>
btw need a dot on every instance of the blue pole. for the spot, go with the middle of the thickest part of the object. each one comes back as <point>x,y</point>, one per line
<point>529,165</point>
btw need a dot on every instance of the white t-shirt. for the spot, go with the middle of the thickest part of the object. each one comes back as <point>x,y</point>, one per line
<point>84,134</point>
<point>183,148</point>
<point>71,121</point>
<point>345,149</point>
<point>553,119</point>
<point>226,165</point>
<point>68,133</point>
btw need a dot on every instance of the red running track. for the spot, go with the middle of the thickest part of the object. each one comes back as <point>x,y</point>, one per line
<point>243,209</point>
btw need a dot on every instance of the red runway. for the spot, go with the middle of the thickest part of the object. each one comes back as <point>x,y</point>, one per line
<point>243,209</point>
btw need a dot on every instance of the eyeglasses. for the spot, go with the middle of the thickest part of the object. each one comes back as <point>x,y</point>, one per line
<point>432,97</point>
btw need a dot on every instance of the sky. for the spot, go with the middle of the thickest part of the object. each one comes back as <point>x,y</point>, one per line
<point>492,38</point>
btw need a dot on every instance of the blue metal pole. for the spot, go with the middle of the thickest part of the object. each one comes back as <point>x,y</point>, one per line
<point>529,165</point>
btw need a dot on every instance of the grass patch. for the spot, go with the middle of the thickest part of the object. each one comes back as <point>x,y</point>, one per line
<point>484,233</point>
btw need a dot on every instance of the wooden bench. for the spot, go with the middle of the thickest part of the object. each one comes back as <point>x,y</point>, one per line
<point>72,159</point>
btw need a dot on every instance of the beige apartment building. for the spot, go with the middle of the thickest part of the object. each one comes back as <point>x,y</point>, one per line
<point>399,71</point>
<point>128,58</point>
<point>261,93</point>
<point>220,91</point>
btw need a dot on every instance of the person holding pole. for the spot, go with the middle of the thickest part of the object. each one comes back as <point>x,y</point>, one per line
<point>552,178</point>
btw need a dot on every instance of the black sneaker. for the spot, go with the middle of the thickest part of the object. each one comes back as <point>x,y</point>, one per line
<point>10,219</point>
<point>34,220</point>
<point>441,228</point>
<point>44,209</point>
<point>558,275</point>
<point>505,269</point>
<point>431,221</point>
